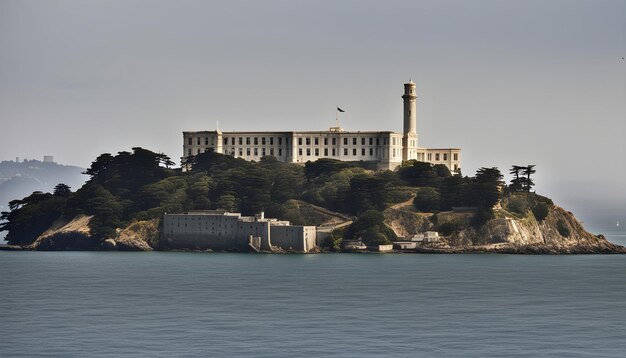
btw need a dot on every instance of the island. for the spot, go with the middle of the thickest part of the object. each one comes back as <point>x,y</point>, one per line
<point>350,206</point>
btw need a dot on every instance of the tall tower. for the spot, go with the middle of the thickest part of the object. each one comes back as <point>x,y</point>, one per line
<point>409,139</point>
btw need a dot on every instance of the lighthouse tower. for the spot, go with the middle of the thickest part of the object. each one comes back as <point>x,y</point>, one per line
<point>409,138</point>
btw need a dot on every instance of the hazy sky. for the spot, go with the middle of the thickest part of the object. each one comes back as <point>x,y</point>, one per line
<point>510,82</point>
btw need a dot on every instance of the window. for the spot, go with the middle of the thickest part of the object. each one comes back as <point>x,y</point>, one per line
<point>262,140</point>
<point>436,156</point>
<point>317,141</point>
<point>280,151</point>
<point>198,150</point>
<point>256,151</point>
<point>308,140</point>
<point>308,152</point>
<point>325,152</point>
<point>354,151</point>
<point>317,152</point>
<point>280,140</point>
<point>240,152</point>
<point>189,151</point>
<point>189,141</point>
<point>445,156</point>
<point>354,141</point>
<point>271,151</point>
<point>325,141</point>
<point>206,140</point>
<point>334,141</point>
<point>225,141</point>
<point>248,151</point>
<point>384,141</point>
<point>271,140</point>
<point>394,141</point>
<point>377,141</point>
<point>394,152</point>
<point>345,141</point>
<point>362,151</point>
<point>198,141</point>
<point>240,141</point>
<point>456,156</point>
<point>334,153</point>
<point>362,141</point>
<point>299,152</point>
<point>256,141</point>
<point>371,141</point>
<point>263,151</point>
<point>430,156</point>
<point>371,151</point>
<point>247,140</point>
<point>345,151</point>
<point>300,141</point>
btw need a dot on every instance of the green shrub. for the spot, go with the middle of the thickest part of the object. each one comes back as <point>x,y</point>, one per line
<point>448,228</point>
<point>541,211</point>
<point>562,228</point>
<point>517,205</point>
<point>427,200</point>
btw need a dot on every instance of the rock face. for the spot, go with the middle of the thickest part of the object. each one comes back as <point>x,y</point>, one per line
<point>558,233</point>
<point>66,234</point>
<point>139,236</point>
<point>75,234</point>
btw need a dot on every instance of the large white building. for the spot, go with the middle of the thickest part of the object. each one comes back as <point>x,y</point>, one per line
<point>386,149</point>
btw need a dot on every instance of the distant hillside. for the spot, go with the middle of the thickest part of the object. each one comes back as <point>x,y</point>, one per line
<point>19,179</point>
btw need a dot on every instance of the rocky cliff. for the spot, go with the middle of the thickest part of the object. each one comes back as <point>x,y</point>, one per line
<point>74,234</point>
<point>558,233</point>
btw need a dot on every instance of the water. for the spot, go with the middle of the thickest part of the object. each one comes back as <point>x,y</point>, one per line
<point>97,304</point>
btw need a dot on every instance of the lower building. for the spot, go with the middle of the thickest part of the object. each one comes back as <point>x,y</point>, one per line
<point>221,230</point>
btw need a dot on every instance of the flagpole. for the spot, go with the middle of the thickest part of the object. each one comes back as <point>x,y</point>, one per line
<point>337,117</point>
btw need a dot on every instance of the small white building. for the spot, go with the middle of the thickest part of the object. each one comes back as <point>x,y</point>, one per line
<point>426,237</point>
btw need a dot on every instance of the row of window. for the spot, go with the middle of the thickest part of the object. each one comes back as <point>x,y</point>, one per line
<point>455,156</point>
<point>355,140</point>
<point>307,140</point>
<point>316,151</point>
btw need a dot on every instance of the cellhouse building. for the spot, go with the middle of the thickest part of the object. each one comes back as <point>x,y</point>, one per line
<point>387,150</point>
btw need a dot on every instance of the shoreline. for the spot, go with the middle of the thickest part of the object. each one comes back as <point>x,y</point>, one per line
<point>612,249</point>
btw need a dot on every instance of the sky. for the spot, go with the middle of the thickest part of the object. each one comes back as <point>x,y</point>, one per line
<point>510,82</point>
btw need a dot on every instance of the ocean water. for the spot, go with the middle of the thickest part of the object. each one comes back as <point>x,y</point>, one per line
<point>159,304</point>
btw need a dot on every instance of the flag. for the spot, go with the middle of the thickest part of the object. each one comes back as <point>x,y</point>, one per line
<point>340,110</point>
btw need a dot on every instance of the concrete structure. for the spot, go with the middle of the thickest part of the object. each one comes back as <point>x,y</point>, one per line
<point>221,230</point>
<point>48,159</point>
<point>426,237</point>
<point>385,149</point>
<point>405,245</point>
<point>382,248</point>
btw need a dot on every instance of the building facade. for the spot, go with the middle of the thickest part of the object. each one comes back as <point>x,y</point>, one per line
<point>221,230</point>
<point>386,149</point>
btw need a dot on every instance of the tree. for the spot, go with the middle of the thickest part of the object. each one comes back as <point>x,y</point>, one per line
<point>418,173</point>
<point>527,171</point>
<point>427,200</point>
<point>370,226</point>
<point>62,190</point>
<point>487,193</point>
<point>516,182</point>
